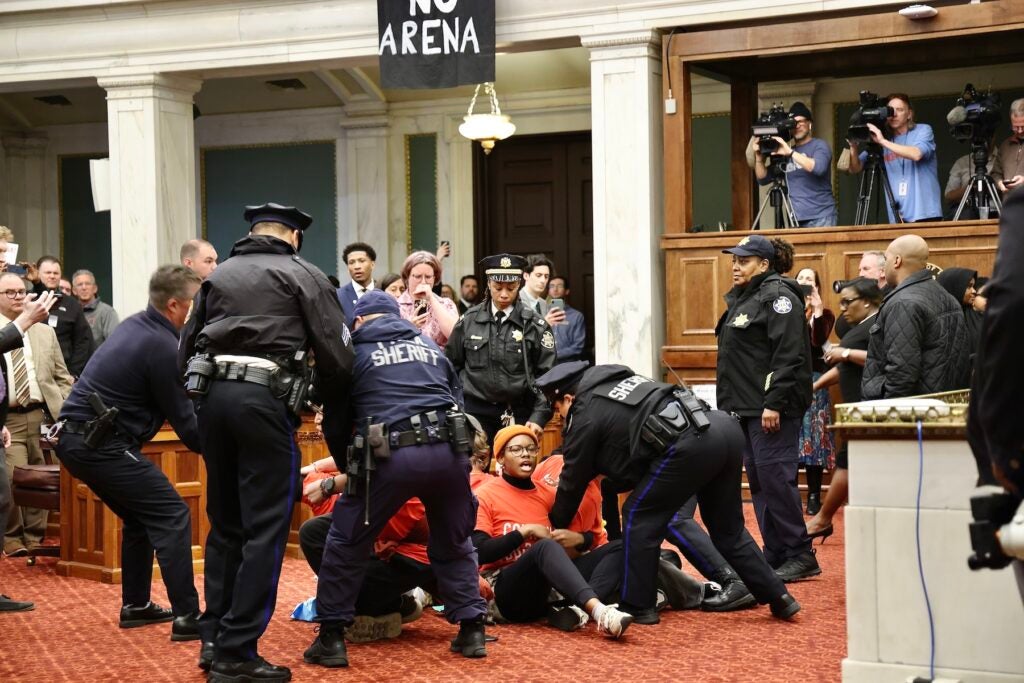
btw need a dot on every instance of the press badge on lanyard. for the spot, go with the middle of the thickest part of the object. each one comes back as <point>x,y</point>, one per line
<point>902,191</point>
<point>52,322</point>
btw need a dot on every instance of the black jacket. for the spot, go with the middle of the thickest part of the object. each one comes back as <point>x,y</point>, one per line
<point>764,350</point>
<point>599,438</point>
<point>266,301</point>
<point>918,342</point>
<point>490,360</point>
<point>136,372</point>
<point>73,332</point>
<point>995,423</point>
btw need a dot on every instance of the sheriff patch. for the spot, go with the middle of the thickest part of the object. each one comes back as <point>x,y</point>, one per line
<point>782,305</point>
<point>547,340</point>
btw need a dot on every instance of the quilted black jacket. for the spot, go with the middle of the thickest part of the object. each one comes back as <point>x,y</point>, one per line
<point>918,342</point>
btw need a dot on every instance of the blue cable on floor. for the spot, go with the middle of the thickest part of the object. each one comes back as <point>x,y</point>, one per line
<point>917,534</point>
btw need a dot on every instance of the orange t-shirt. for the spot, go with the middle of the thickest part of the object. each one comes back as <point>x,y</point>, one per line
<point>504,508</point>
<point>588,517</point>
<point>406,533</point>
<point>476,479</point>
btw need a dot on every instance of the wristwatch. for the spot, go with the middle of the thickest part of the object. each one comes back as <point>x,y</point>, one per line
<point>327,486</point>
<point>846,354</point>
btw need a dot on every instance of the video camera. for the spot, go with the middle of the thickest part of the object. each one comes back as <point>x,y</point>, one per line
<point>997,529</point>
<point>975,116</point>
<point>774,122</point>
<point>873,109</point>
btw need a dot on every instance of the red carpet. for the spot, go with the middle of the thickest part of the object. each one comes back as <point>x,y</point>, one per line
<point>73,636</point>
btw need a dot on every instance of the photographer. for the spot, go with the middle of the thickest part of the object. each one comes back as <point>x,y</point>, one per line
<point>960,180</point>
<point>909,154</point>
<point>808,170</point>
<point>1011,152</point>
<point>434,315</point>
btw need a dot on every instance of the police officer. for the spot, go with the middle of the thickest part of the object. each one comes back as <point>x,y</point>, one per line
<point>764,377</point>
<point>254,322</point>
<point>655,439</point>
<point>499,347</point>
<point>404,385</point>
<point>135,373</point>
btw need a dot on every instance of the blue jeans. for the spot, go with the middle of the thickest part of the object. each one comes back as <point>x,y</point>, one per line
<point>824,220</point>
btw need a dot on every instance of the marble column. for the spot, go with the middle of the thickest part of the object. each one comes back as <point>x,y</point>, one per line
<point>152,178</point>
<point>629,281</point>
<point>25,215</point>
<point>365,214</point>
<point>455,202</point>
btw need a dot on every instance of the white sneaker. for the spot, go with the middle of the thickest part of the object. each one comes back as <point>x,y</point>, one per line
<point>610,621</point>
<point>411,608</point>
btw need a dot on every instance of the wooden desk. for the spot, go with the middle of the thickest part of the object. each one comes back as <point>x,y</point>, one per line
<point>90,532</point>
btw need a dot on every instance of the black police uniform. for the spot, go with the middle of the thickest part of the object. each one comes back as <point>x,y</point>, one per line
<point>764,361</point>
<point>497,362</point>
<point>602,435</point>
<point>404,381</point>
<point>136,371</point>
<point>263,302</point>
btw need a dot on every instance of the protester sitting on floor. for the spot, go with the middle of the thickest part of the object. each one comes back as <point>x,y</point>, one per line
<point>523,557</point>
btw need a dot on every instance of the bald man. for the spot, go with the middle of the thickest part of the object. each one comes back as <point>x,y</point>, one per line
<point>200,257</point>
<point>919,339</point>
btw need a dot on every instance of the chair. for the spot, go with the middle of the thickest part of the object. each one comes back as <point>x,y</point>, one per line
<point>38,486</point>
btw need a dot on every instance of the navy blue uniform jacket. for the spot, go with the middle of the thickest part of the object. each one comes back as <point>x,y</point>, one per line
<point>136,371</point>
<point>399,373</point>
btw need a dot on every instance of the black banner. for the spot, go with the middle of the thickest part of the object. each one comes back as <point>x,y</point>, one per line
<point>435,43</point>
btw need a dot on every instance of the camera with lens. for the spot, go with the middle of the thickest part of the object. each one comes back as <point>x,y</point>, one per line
<point>774,122</point>
<point>975,117</point>
<point>872,109</point>
<point>997,529</point>
<point>839,285</point>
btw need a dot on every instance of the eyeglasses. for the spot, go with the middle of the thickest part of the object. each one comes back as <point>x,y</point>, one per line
<point>15,293</point>
<point>845,303</point>
<point>520,450</point>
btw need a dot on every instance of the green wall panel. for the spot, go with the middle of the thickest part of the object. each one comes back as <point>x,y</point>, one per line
<point>85,234</point>
<point>300,174</point>
<point>930,110</point>
<point>712,184</point>
<point>421,186</point>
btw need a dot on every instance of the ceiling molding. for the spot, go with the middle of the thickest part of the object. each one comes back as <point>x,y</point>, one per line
<point>335,85</point>
<point>367,84</point>
<point>14,113</point>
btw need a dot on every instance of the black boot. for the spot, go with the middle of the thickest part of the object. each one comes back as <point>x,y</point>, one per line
<point>185,627</point>
<point>733,596</point>
<point>813,503</point>
<point>471,639</point>
<point>257,669</point>
<point>150,613</point>
<point>329,647</point>
<point>206,653</point>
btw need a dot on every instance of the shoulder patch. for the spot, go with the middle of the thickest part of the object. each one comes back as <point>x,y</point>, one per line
<point>547,340</point>
<point>782,305</point>
<point>346,336</point>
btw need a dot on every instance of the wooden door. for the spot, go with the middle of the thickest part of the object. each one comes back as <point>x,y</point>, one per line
<point>533,194</point>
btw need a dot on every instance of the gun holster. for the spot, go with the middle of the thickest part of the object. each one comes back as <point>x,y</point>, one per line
<point>377,439</point>
<point>459,433</point>
<point>97,431</point>
<point>199,372</point>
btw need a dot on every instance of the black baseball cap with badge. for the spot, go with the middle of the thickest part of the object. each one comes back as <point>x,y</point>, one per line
<point>562,379</point>
<point>276,213</point>
<point>753,245</point>
<point>504,267</point>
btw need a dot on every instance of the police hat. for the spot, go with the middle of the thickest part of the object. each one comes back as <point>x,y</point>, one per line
<point>375,301</point>
<point>504,267</point>
<point>275,213</point>
<point>753,245</point>
<point>562,379</point>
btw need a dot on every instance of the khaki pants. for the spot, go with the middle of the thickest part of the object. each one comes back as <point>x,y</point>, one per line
<point>26,527</point>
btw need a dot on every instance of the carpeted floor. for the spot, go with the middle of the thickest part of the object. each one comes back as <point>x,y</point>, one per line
<point>73,636</point>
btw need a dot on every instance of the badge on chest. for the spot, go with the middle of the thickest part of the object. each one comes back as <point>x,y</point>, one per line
<point>742,320</point>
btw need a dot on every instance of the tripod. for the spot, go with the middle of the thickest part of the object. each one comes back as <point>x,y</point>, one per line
<point>981,190</point>
<point>873,176</point>
<point>778,197</point>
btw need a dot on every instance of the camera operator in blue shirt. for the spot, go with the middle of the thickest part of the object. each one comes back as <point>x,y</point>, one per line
<point>808,171</point>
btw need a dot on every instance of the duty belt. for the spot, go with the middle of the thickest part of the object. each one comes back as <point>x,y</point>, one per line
<point>431,427</point>
<point>240,372</point>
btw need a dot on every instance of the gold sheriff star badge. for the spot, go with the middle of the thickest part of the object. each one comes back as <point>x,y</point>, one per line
<point>742,320</point>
